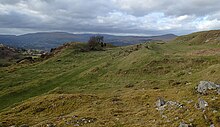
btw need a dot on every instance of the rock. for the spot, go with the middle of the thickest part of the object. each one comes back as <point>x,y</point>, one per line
<point>202,103</point>
<point>50,125</point>
<point>205,117</point>
<point>160,102</point>
<point>183,125</point>
<point>176,118</point>
<point>206,85</point>
<point>173,103</point>
<point>212,125</point>
<point>190,101</point>
<point>164,116</point>
<point>214,98</point>
<point>191,120</point>
<point>218,91</point>
<point>24,125</point>
<point>83,121</point>
<point>214,111</point>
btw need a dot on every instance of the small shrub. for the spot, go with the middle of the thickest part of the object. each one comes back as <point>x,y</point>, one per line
<point>96,43</point>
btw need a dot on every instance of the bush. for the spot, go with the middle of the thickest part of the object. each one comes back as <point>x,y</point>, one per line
<point>96,43</point>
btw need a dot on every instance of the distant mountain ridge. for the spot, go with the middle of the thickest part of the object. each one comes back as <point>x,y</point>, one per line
<point>48,40</point>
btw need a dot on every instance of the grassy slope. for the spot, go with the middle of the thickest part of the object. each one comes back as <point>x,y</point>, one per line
<point>203,37</point>
<point>169,70</point>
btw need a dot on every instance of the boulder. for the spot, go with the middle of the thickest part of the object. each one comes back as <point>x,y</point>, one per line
<point>206,85</point>
<point>202,103</point>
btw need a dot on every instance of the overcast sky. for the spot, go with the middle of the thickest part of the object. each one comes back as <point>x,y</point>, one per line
<point>138,17</point>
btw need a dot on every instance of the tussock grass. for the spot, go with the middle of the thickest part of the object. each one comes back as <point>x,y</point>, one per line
<point>95,85</point>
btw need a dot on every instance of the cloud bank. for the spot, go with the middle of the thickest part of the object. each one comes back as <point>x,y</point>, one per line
<point>139,17</point>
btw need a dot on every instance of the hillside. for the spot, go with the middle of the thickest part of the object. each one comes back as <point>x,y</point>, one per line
<point>48,40</point>
<point>203,37</point>
<point>116,87</point>
<point>9,55</point>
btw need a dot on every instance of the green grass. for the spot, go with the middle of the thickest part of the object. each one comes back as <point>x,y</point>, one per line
<point>170,67</point>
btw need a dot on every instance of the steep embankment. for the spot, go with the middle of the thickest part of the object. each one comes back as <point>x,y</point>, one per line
<point>116,87</point>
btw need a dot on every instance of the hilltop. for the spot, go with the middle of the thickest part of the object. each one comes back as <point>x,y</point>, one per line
<point>203,37</point>
<point>48,40</point>
<point>149,84</point>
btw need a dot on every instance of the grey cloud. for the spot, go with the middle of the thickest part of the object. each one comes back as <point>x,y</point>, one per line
<point>109,16</point>
<point>169,7</point>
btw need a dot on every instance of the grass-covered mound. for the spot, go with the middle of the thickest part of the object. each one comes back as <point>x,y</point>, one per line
<point>117,87</point>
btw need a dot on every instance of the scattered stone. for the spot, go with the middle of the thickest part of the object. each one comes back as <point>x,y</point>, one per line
<point>183,125</point>
<point>173,103</point>
<point>176,118</point>
<point>191,120</point>
<point>50,125</point>
<point>75,116</point>
<point>164,116</point>
<point>214,111</point>
<point>83,121</point>
<point>160,102</point>
<point>206,85</point>
<point>24,125</point>
<point>214,98</point>
<point>202,103</point>
<point>212,125</point>
<point>168,121</point>
<point>218,91</point>
<point>205,117</point>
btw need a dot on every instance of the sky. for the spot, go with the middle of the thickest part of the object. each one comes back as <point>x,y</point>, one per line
<point>123,17</point>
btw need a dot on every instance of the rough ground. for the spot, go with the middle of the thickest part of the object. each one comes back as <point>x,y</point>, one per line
<point>116,87</point>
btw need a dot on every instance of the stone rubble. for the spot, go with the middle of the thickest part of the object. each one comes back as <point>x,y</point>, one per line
<point>161,104</point>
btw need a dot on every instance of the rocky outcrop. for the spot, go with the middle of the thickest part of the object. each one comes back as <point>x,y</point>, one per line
<point>161,104</point>
<point>204,86</point>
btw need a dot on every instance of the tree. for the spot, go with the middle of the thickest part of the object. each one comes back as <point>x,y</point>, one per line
<point>96,43</point>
